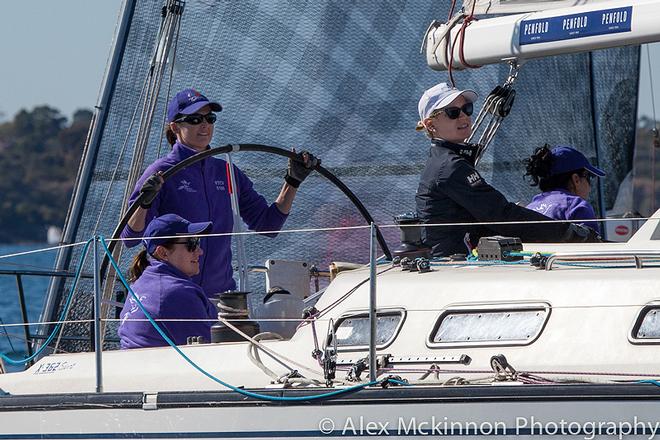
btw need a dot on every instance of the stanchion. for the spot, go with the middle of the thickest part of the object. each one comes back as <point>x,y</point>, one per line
<point>97,319</point>
<point>372,304</point>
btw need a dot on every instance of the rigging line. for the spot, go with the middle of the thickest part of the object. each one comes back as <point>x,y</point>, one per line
<point>28,266</point>
<point>211,376</point>
<point>648,57</point>
<point>227,234</point>
<point>2,323</point>
<point>451,9</point>
<point>169,82</point>
<point>36,251</point>
<point>654,143</point>
<point>121,154</point>
<point>345,296</point>
<point>73,321</point>
<point>62,316</point>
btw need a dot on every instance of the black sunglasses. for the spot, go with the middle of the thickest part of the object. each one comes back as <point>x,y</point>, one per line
<point>587,175</point>
<point>192,243</point>
<point>196,118</point>
<point>455,112</point>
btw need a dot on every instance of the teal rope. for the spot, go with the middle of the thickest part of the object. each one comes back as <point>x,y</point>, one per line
<point>209,375</point>
<point>479,263</point>
<point>62,316</point>
<point>651,381</point>
<point>528,253</point>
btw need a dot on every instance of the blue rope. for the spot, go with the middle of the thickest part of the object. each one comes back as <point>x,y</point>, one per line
<point>209,375</point>
<point>62,316</point>
<point>651,381</point>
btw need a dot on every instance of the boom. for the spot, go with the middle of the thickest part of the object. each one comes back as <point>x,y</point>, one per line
<point>539,34</point>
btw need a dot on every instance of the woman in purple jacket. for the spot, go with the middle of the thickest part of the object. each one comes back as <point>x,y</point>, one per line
<point>564,175</point>
<point>161,278</point>
<point>201,192</point>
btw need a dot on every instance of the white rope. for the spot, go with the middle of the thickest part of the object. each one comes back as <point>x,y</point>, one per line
<point>35,251</point>
<point>341,228</point>
<point>268,350</point>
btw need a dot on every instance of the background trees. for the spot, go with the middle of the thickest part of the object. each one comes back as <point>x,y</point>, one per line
<point>39,156</point>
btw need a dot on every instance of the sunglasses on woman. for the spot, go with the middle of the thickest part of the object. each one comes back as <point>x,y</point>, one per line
<point>587,175</point>
<point>192,243</point>
<point>196,118</point>
<point>455,112</point>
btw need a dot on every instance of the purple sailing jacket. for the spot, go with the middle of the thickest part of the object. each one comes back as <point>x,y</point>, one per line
<point>166,293</point>
<point>200,193</point>
<point>559,204</point>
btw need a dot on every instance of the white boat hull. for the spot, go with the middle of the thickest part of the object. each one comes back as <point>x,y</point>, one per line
<point>582,411</point>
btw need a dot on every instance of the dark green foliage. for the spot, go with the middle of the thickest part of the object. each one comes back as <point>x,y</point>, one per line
<point>39,157</point>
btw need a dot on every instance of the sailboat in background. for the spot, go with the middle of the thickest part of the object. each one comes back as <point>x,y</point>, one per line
<point>549,339</point>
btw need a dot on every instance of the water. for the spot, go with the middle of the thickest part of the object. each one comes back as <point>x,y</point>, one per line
<point>12,339</point>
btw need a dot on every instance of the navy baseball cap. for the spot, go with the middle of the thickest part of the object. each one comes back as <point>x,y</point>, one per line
<point>169,225</point>
<point>187,102</point>
<point>566,159</point>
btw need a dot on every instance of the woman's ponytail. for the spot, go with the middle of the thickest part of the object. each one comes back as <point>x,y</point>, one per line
<point>140,263</point>
<point>169,135</point>
<point>539,164</point>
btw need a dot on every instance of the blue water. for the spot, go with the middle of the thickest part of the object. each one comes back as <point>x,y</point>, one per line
<point>12,338</point>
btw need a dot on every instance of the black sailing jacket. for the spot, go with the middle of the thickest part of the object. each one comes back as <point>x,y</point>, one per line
<point>451,190</point>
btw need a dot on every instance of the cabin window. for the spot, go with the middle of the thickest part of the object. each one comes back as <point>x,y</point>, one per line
<point>352,330</point>
<point>647,325</point>
<point>497,325</point>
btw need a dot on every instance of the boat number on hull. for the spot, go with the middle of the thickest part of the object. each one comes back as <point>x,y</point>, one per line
<point>567,27</point>
<point>52,367</point>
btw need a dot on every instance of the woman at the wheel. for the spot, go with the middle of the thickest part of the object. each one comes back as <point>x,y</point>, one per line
<point>200,192</point>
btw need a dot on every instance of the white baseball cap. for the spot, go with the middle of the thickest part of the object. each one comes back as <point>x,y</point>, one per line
<point>440,96</point>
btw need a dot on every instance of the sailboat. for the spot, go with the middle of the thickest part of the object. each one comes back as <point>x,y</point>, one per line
<point>537,339</point>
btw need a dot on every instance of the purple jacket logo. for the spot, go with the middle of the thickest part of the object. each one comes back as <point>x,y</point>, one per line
<point>185,186</point>
<point>220,185</point>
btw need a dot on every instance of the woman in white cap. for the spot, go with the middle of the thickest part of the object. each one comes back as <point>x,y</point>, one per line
<point>451,190</point>
<point>564,176</point>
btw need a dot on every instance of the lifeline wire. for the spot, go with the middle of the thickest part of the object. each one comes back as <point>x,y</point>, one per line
<point>62,316</point>
<point>209,375</point>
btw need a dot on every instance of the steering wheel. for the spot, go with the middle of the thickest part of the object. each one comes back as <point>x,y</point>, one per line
<point>233,149</point>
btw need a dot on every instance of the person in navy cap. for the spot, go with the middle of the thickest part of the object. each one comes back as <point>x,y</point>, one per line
<point>161,278</point>
<point>451,190</point>
<point>201,192</point>
<point>563,174</point>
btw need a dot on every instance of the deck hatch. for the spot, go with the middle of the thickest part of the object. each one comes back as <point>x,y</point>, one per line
<point>490,325</point>
<point>352,329</point>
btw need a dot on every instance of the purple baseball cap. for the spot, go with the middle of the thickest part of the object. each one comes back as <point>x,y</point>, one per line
<point>566,159</point>
<point>187,102</point>
<point>168,225</point>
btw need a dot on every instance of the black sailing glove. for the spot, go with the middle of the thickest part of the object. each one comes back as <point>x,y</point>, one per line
<point>150,189</point>
<point>581,234</point>
<point>300,167</point>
